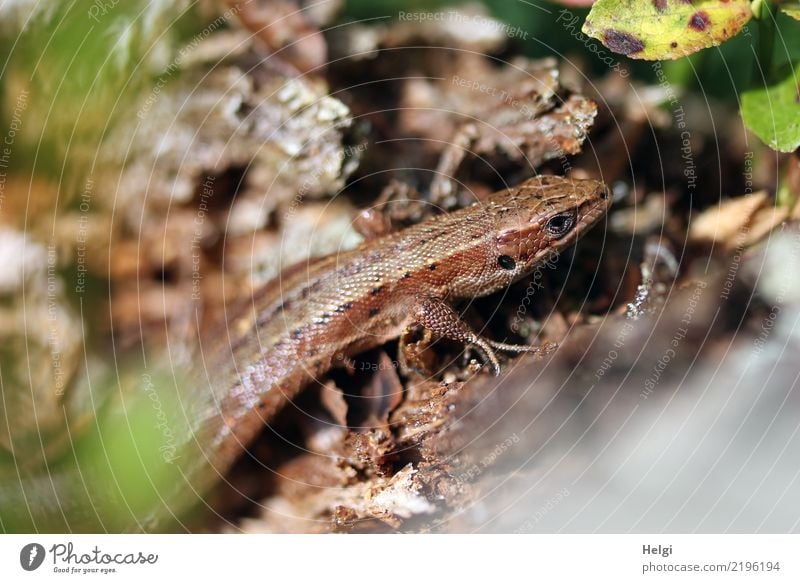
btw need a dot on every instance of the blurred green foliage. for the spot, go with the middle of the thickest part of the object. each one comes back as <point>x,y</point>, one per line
<point>119,475</point>
<point>81,68</point>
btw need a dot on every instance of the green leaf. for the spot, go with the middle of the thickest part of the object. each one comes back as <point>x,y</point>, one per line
<point>773,113</point>
<point>665,29</point>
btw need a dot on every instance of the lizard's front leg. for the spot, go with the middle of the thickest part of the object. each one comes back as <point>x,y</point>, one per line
<point>435,315</point>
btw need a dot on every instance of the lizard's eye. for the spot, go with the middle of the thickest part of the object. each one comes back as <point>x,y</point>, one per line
<point>560,225</point>
<point>506,262</point>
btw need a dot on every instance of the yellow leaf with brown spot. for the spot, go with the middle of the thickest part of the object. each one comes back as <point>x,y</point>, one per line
<point>665,29</point>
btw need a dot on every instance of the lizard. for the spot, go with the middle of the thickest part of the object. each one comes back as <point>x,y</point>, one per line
<point>321,312</point>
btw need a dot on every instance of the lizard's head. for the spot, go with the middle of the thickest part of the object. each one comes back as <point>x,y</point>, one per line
<point>541,217</point>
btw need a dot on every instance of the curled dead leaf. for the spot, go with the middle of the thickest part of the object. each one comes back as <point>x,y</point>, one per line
<point>737,222</point>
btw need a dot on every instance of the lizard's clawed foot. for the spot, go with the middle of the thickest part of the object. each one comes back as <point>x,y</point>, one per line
<point>489,347</point>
